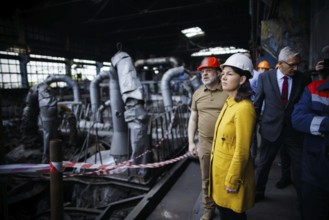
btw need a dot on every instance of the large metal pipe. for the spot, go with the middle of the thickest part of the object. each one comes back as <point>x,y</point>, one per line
<point>69,81</point>
<point>165,85</point>
<point>48,113</point>
<point>30,114</point>
<point>133,97</point>
<point>130,85</point>
<point>154,61</point>
<point>119,144</point>
<point>40,101</point>
<point>94,92</point>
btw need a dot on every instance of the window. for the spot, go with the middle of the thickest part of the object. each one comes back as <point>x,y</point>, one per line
<point>10,77</point>
<point>106,66</point>
<point>39,70</point>
<point>83,69</point>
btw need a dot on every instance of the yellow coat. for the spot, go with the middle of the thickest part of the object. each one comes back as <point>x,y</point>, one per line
<point>231,164</point>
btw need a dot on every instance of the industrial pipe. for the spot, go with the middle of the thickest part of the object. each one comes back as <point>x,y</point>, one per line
<point>30,114</point>
<point>133,98</point>
<point>94,92</point>
<point>119,144</point>
<point>63,78</point>
<point>165,85</point>
<point>48,114</point>
<point>130,85</point>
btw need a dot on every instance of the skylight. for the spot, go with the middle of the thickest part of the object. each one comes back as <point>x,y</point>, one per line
<point>193,32</point>
<point>218,51</point>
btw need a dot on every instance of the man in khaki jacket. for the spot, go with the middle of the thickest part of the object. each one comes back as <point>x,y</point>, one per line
<point>207,101</point>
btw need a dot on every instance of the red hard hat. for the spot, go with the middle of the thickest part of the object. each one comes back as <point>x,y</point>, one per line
<point>211,62</point>
<point>264,64</point>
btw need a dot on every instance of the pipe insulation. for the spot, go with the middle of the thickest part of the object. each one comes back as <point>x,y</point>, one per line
<point>63,78</point>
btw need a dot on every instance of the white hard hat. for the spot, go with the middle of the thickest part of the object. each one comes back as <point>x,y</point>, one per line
<point>240,61</point>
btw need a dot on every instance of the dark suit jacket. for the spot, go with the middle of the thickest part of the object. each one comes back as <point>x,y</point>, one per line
<point>274,115</point>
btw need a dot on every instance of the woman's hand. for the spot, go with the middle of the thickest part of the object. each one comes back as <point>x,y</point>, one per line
<point>229,190</point>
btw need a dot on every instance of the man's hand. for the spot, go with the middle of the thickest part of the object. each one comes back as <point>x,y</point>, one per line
<point>192,149</point>
<point>319,66</point>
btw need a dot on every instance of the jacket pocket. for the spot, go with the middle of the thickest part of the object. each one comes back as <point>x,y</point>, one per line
<point>227,140</point>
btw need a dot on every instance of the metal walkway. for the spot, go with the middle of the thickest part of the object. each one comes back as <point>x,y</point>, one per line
<point>183,201</point>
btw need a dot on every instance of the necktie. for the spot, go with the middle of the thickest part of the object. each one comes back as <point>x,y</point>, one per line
<point>284,93</point>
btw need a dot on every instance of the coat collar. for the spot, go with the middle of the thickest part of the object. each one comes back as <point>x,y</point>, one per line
<point>230,101</point>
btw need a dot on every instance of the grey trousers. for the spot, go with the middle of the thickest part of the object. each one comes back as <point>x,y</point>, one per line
<point>204,158</point>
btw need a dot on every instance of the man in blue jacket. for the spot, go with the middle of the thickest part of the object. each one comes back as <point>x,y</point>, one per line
<point>311,116</point>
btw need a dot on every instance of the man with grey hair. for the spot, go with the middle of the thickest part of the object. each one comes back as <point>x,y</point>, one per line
<point>280,90</point>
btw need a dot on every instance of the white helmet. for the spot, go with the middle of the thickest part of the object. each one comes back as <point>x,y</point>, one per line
<point>240,61</point>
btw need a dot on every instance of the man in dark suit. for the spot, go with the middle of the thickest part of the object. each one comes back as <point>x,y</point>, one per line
<point>280,89</point>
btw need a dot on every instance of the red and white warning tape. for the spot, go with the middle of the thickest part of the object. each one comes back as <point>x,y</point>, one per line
<point>23,168</point>
<point>102,169</point>
<point>120,169</point>
<point>92,166</point>
<point>56,167</point>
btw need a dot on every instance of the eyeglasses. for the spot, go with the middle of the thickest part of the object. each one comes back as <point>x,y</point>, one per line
<point>293,65</point>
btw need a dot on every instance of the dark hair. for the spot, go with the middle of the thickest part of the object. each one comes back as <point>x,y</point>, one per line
<point>245,91</point>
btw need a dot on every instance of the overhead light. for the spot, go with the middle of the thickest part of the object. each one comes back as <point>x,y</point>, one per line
<point>218,51</point>
<point>193,32</point>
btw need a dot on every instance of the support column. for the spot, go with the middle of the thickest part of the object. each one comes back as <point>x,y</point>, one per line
<point>56,180</point>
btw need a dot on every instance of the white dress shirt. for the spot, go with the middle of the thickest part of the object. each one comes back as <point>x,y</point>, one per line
<point>279,77</point>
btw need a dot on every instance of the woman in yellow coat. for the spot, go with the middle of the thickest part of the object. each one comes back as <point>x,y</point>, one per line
<point>232,172</point>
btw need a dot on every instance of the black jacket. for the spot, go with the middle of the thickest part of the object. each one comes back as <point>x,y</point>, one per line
<point>275,115</point>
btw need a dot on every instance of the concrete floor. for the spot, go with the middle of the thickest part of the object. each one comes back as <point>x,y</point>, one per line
<point>178,203</point>
<point>183,201</point>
